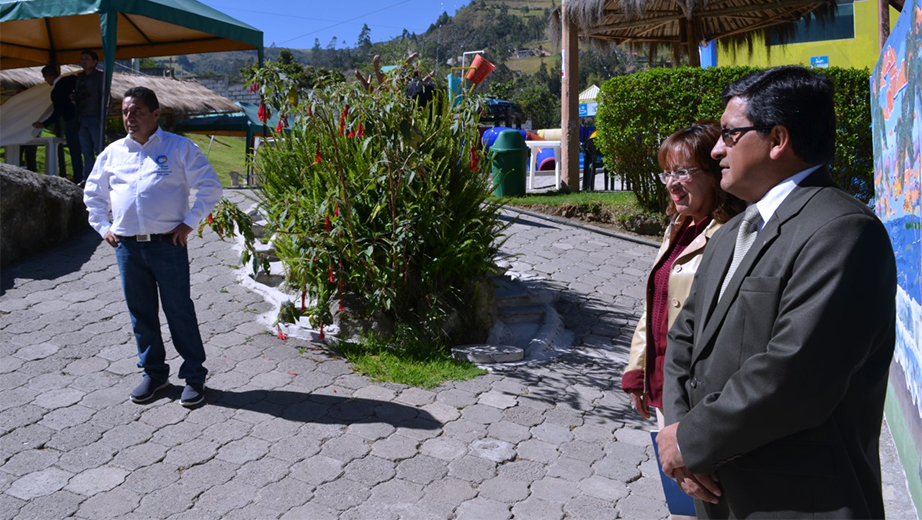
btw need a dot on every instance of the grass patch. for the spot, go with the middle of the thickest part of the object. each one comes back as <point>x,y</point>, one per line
<point>406,361</point>
<point>227,154</point>
<point>556,198</point>
<point>528,65</point>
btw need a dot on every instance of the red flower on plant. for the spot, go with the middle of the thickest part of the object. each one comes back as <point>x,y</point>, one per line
<point>475,159</point>
<point>327,223</point>
<point>336,209</point>
<point>262,113</point>
<point>318,157</point>
<point>210,218</point>
<point>331,273</point>
<point>342,120</point>
<point>278,127</point>
<point>281,335</point>
<point>322,336</point>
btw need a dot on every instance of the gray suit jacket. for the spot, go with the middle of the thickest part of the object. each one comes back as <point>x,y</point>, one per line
<point>779,388</point>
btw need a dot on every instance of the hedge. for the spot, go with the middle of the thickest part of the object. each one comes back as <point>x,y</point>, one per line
<point>636,112</point>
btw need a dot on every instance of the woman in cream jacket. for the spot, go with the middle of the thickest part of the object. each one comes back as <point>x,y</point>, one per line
<point>698,207</point>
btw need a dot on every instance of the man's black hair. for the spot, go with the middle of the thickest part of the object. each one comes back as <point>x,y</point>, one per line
<point>91,53</point>
<point>145,95</point>
<point>796,98</point>
<point>50,70</point>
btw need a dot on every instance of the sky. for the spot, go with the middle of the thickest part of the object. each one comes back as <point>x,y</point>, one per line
<point>295,23</point>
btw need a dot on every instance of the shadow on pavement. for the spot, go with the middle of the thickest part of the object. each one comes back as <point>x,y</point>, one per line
<point>60,260</point>
<point>526,221</point>
<point>324,409</point>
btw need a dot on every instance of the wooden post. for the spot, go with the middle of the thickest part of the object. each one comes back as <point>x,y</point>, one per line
<point>883,15</point>
<point>569,102</point>
<point>694,58</point>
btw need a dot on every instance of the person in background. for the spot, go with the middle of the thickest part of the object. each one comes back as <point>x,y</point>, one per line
<point>146,178</point>
<point>88,93</point>
<point>697,207</point>
<point>64,111</point>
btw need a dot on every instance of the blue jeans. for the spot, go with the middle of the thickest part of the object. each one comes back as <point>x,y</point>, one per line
<point>146,267</point>
<point>89,141</point>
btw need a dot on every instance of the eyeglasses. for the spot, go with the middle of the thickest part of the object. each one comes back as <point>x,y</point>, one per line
<point>731,136</point>
<point>678,175</point>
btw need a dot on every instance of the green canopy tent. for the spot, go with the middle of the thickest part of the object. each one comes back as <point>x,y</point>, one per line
<point>36,32</point>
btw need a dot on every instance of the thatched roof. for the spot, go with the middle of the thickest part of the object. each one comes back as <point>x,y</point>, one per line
<point>672,22</point>
<point>183,98</point>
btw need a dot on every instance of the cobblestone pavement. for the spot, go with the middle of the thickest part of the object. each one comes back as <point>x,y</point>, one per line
<point>290,431</point>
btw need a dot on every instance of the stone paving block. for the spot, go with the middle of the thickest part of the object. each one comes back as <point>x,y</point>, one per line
<point>248,512</point>
<point>284,495</point>
<point>524,415</point>
<point>563,417</point>
<point>341,494</point>
<point>230,430</point>
<point>86,457</point>
<point>480,508</point>
<point>554,489</point>
<point>313,511</point>
<point>225,498</point>
<point>476,386</point>
<point>39,483</point>
<point>295,448</point>
<point>262,472</point>
<point>115,503</point>
<point>637,506</point>
<point>165,414</point>
<point>19,417</point>
<point>464,430</point>
<point>97,480</point>
<point>371,430</point>
<point>127,435</point>
<point>20,396</point>
<point>151,478</point>
<point>508,431</point>
<point>510,387</point>
<point>537,451</point>
<point>370,470</point>
<point>105,397</point>
<point>552,433</point>
<point>30,461</point>
<point>522,471</point>
<point>419,429</point>
<point>444,448</point>
<point>369,511</point>
<point>504,489</point>
<point>457,397</point>
<point>9,364</point>
<point>243,450</point>
<point>472,468</point>
<point>497,399</point>
<point>442,412</point>
<point>493,449</point>
<point>100,381</point>
<point>582,450</point>
<point>415,397</point>
<point>33,352</point>
<point>178,433</point>
<point>395,447</point>
<point>61,504</point>
<point>136,457</point>
<point>374,393</point>
<point>345,448</point>
<point>209,415</point>
<point>422,469</point>
<point>49,386</point>
<point>482,414</point>
<point>190,453</point>
<point>569,469</point>
<point>537,509</point>
<point>317,470</point>
<point>593,433</point>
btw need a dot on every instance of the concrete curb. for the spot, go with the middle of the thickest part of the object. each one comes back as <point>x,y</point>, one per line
<point>585,227</point>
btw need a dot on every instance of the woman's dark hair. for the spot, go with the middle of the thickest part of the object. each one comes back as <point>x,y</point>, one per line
<point>696,143</point>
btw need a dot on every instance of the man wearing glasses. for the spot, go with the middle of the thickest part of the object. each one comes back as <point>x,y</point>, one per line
<point>776,368</point>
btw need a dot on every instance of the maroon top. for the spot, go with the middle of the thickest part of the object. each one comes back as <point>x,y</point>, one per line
<point>658,314</point>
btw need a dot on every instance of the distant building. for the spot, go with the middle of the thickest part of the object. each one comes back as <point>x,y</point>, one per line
<point>849,40</point>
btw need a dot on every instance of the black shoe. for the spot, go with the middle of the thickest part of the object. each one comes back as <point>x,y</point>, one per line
<point>192,394</point>
<point>147,389</point>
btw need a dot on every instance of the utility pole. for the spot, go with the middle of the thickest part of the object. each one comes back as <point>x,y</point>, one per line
<point>569,101</point>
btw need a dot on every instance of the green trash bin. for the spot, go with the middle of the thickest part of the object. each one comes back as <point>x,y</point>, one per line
<point>510,161</point>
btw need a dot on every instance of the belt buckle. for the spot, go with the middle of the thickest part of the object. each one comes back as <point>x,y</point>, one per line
<point>142,238</point>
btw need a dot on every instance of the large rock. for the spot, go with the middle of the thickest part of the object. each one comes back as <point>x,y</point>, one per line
<point>36,212</point>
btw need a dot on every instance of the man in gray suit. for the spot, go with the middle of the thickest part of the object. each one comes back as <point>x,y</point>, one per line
<point>776,369</point>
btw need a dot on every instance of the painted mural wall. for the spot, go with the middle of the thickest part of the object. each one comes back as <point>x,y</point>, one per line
<point>896,101</point>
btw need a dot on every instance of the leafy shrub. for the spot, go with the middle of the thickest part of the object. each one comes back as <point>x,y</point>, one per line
<point>638,111</point>
<point>372,198</point>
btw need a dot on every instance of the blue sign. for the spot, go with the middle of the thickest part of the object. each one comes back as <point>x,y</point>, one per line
<point>588,109</point>
<point>819,62</point>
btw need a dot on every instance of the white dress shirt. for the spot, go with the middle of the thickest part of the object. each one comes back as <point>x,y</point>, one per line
<point>148,186</point>
<point>770,202</point>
